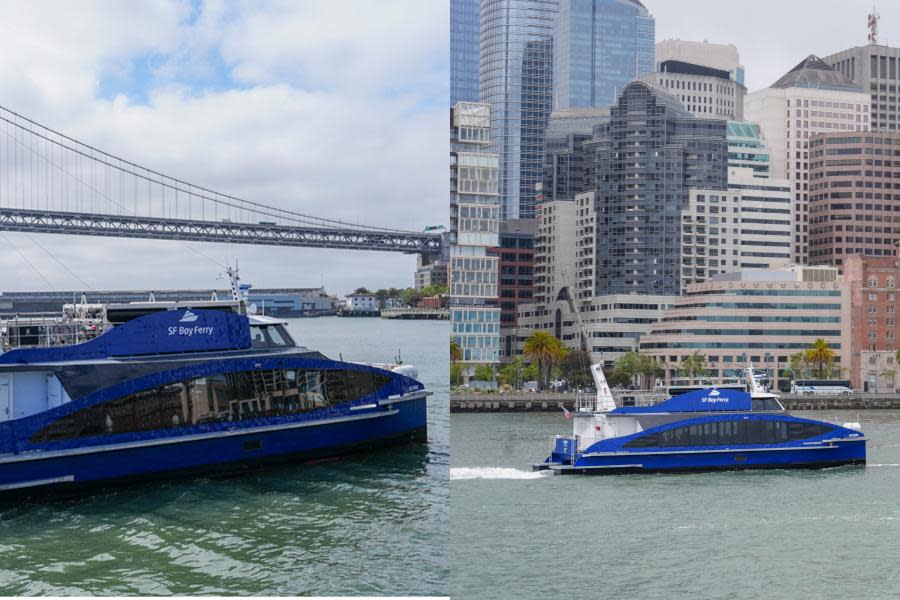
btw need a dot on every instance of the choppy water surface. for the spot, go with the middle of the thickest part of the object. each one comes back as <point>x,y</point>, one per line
<point>366,524</point>
<point>833,533</point>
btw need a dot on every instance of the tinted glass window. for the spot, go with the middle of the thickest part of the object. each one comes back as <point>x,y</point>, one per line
<point>730,433</point>
<point>219,398</point>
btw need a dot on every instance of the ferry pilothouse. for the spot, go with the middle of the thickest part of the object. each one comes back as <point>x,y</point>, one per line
<point>702,429</point>
<point>175,388</point>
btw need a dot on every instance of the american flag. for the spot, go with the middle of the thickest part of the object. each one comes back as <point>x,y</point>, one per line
<point>567,413</point>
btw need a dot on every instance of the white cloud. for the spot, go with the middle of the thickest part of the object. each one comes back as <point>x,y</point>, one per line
<point>339,111</point>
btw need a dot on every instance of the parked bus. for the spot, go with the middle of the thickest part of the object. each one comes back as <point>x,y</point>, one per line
<point>825,387</point>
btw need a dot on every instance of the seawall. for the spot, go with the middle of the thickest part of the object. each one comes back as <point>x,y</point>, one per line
<point>537,402</point>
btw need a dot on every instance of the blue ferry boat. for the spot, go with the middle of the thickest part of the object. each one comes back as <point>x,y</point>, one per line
<point>189,390</point>
<point>700,430</point>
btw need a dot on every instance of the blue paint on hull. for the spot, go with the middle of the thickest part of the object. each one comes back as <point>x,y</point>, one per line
<point>395,423</point>
<point>695,459</point>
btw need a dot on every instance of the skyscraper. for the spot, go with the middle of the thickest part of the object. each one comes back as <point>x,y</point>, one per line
<point>465,47</point>
<point>876,69</point>
<point>642,164</point>
<point>516,67</point>
<point>474,227</point>
<point>811,98</point>
<point>598,47</point>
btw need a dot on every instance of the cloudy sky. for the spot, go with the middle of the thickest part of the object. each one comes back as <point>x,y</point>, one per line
<point>335,108</point>
<point>774,35</point>
<point>328,107</point>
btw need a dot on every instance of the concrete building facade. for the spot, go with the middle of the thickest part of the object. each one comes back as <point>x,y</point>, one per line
<point>756,315</point>
<point>474,227</point>
<point>724,57</point>
<point>811,98</point>
<point>854,196</point>
<point>875,69</point>
<point>704,91</point>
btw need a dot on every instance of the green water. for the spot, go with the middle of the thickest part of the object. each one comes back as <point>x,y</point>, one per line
<point>833,533</point>
<point>368,524</point>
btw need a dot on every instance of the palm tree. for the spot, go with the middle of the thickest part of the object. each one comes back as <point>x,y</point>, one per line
<point>820,354</point>
<point>455,351</point>
<point>543,349</point>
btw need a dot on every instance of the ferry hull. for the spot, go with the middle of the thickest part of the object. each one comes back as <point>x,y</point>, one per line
<point>850,452</point>
<point>40,473</point>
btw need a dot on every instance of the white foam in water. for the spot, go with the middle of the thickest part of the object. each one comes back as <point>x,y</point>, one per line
<point>884,465</point>
<point>494,473</point>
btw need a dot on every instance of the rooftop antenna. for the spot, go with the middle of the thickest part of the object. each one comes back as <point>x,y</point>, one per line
<point>874,17</point>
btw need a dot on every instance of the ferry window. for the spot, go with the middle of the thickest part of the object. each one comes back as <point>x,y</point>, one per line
<point>765,404</point>
<point>234,396</point>
<point>730,433</point>
<point>645,441</point>
<point>275,334</point>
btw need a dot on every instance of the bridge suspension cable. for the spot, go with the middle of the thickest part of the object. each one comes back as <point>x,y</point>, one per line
<point>43,169</point>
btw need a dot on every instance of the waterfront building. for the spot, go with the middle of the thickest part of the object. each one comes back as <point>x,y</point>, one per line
<point>747,148</point>
<point>465,50</point>
<point>723,57</point>
<point>564,153</point>
<point>607,327</point>
<point>876,70</point>
<point>598,47</point>
<point>853,207</point>
<point>474,228</point>
<point>362,302</point>
<point>642,164</point>
<point>516,264</point>
<point>277,302</point>
<point>515,80</point>
<point>758,315</point>
<point>873,283</point>
<point>811,98</point>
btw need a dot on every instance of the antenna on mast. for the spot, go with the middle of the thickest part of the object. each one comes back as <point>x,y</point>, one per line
<point>874,17</point>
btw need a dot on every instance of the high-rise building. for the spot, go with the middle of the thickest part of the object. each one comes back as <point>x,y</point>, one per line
<point>810,98</point>
<point>465,49</point>
<point>515,79</point>
<point>642,164</point>
<point>704,91</point>
<point>598,47</point>
<point>516,253</point>
<point>852,205</point>
<point>723,57</point>
<point>747,148</point>
<point>746,226</point>
<point>876,70</point>
<point>564,153</point>
<point>474,227</point>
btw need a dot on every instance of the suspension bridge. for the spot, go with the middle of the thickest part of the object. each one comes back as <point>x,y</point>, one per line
<point>52,183</point>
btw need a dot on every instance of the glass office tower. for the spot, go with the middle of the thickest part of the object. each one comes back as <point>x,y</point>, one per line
<point>465,46</point>
<point>599,46</point>
<point>516,67</point>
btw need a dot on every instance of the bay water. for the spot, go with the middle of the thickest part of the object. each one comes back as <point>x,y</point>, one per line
<point>785,534</point>
<point>368,524</point>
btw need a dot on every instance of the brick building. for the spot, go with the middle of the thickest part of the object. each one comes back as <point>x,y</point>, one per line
<point>853,206</point>
<point>873,288</point>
